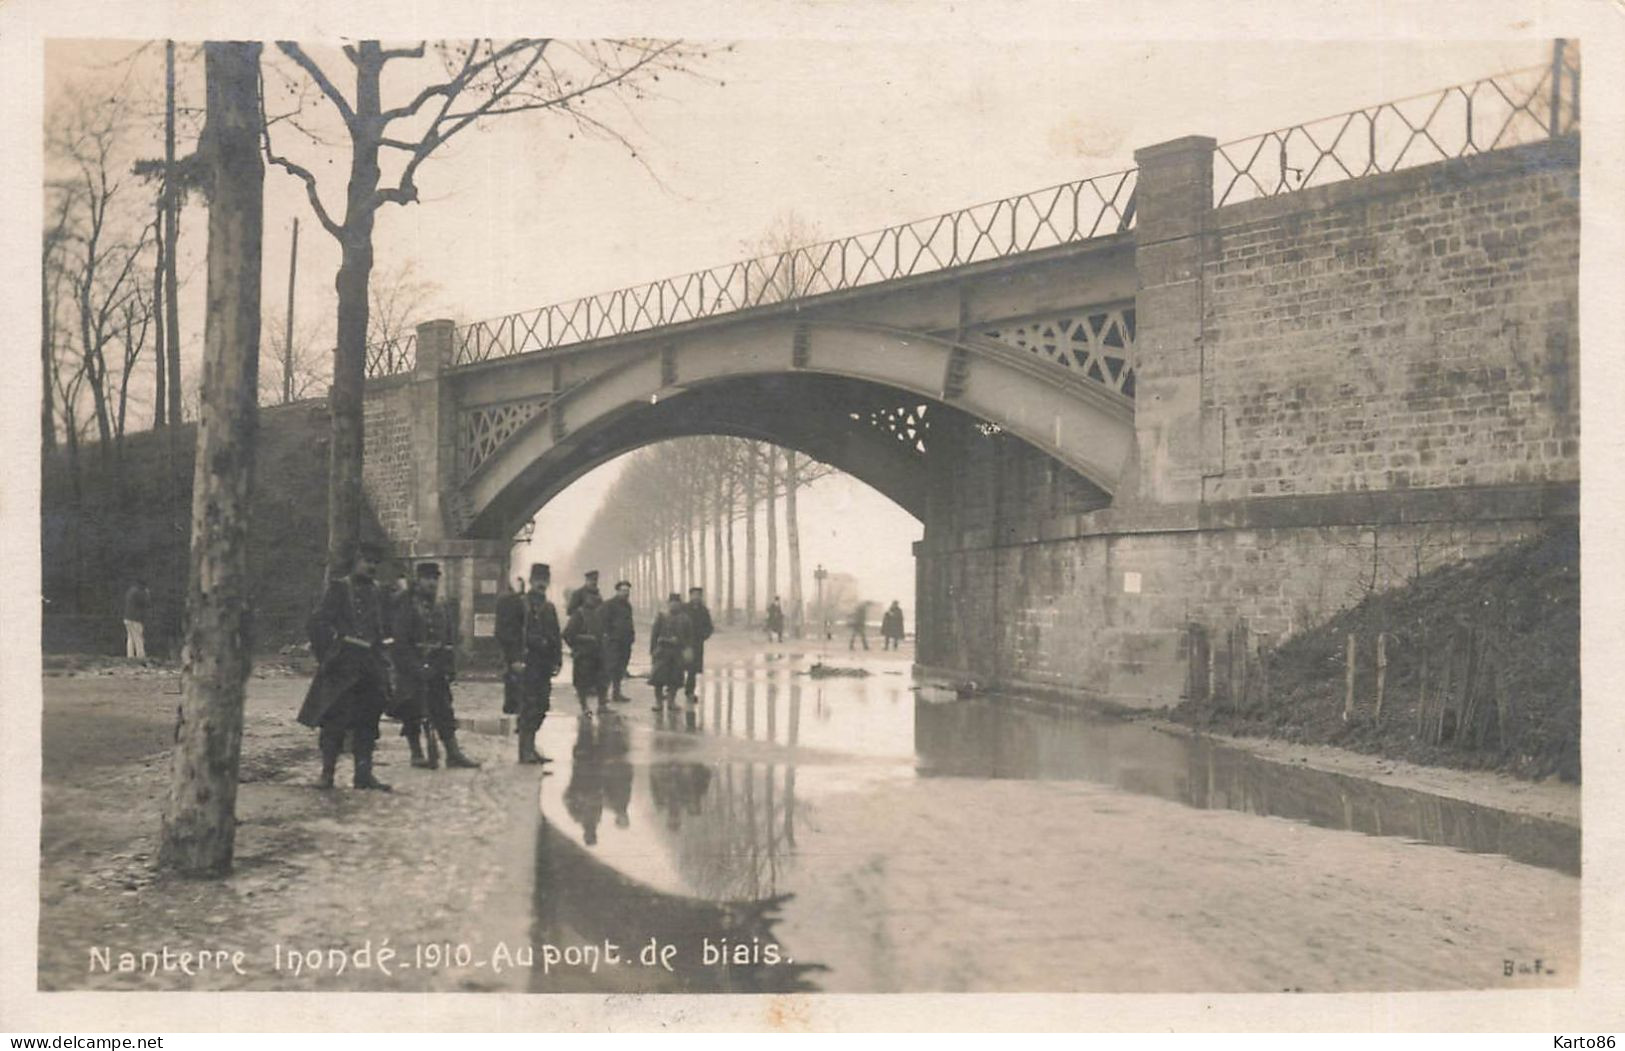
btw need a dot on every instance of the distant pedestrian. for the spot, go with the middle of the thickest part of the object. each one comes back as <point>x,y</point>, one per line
<point>699,621</point>
<point>859,625</point>
<point>136,601</point>
<point>775,620</point>
<point>891,627</point>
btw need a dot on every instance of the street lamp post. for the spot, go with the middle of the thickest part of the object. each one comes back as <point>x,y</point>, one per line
<point>823,616</point>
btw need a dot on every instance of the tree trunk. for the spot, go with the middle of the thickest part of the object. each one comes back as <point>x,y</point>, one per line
<point>733,496</point>
<point>792,535</point>
<point>750,535</point>
<point>716,549</point>
<point>160,364</point>
<point>344,481</point>
<point>772,522</point>
<point>199,826</point>
<point>699,531</point>
<point>171,238</point>
<point>47,339</point>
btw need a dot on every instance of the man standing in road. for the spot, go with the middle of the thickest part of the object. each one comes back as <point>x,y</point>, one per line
<point>700,628</point>
<point>425,665</point>
<point>670,646</point>
<point>528,632</point>
<point>891,627</point>
<point>579,595</point>
<point>351,688</point>
<point>859,625</point>
<point>585,633</point>
<point>619,634</point>
<point>775,620</point>
<point>136,601</point>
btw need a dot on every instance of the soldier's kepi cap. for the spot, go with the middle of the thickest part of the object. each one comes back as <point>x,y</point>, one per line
<point>623,584</point>
<point>541,571</point>
<point>592,574</point>
<point>429,569</point>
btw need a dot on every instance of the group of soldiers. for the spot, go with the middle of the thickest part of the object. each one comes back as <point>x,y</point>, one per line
<point>382,653</point>
<point>395,653</point>
<point>600,635</point>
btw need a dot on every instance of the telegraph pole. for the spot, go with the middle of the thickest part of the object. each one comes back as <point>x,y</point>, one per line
<point>287,333</point>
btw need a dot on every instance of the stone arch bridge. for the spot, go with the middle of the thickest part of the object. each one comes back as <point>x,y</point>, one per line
<point>1215,387</point>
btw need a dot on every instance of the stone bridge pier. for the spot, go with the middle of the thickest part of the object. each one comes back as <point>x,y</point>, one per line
<point>1210,415</point>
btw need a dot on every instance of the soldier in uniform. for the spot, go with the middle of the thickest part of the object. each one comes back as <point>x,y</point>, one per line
<point>670,646</point>
<point>699,622</point>
<point>585,633</point>
<point>425,665</point>
<point>351,688</point>
<point>579,595</point>
<point>528,632</point>
<point>619,635</point>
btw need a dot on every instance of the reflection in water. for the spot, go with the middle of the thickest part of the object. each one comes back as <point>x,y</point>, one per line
<point>989,740</point>
<point>684,829</point>
<point>699,868</point>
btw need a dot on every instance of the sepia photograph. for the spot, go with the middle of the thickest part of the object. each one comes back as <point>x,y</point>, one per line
<point>645,513</point>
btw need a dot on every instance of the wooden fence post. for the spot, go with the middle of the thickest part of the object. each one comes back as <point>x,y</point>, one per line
<point>1382,671</point>
<point>1348,680</point>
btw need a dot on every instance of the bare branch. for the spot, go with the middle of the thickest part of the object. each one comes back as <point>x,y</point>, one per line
<point>302,173</point>
<point>334,95</point>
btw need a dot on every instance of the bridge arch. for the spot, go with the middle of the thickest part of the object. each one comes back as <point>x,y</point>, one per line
<point>798,384</point>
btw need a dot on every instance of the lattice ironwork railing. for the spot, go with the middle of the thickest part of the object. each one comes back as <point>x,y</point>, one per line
<point>1071,212</point>
<point>1096,343</point>
<point>1508,109</point>
<point>482,431</point>
<point>392,356</point>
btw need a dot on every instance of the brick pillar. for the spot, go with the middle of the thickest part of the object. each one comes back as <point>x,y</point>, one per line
<point>434,436</point>
<point>1173,199</point>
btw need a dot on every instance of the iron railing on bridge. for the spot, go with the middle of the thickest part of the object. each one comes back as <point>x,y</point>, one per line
<point>1074,211</point>
<point>1508,109</point>
<point>1495,112</point>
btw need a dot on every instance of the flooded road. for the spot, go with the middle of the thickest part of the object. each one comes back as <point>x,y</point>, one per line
<point>800,833</point>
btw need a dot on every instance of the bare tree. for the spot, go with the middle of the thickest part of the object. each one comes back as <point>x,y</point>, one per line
<point>100,251</point>
<point>199,824</point>
<point>464,84</point>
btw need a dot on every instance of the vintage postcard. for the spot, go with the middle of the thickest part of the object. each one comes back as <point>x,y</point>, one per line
<point>807,516</point>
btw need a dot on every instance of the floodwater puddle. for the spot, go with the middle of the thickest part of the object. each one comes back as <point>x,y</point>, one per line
<point>681,829</point>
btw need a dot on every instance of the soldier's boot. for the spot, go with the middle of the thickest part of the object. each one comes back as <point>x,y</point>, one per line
<point>330,744</point>
<point>415,743</point>
<point>527,742</point>
<point>363,770</point>
<point>454,755</point>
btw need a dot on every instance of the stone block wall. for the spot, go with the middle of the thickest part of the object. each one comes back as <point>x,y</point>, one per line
<point>1340,389</point>
<point>1418,329</point>
<point>389,470</point>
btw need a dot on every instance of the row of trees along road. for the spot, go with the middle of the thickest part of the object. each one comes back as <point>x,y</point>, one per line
<point>675,499</point>
<point>450,87</point>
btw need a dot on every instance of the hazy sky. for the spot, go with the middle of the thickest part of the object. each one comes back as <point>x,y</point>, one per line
<point>848,135</point>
